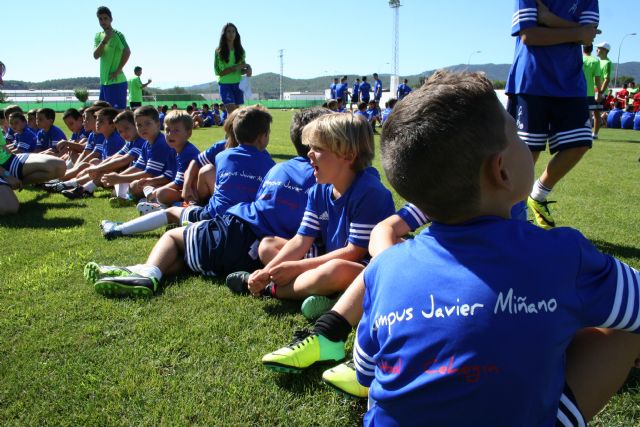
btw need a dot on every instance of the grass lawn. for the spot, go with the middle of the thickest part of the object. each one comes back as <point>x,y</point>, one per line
<point>192,354</point>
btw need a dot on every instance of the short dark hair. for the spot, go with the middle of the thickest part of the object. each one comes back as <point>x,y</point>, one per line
<point>93,109</point>
<point>364,78</point>
<point>73,113</point>
<point>392,103</point>
<point>17,115</point>
<point>362,105</point>
<point>101,103</point>
<point>147,111</point>
<point>433,149</point>
<point>104,10</point>
<point>137,68</point>
<point>109,113</point>
<point>125,116</point>
<point>587,49</point>
<point>250,123</point>
<point>300,119</point>
<point>48,113</point>
<point>12,109</point>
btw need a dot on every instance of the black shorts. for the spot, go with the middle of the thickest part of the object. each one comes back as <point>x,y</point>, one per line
<point>593,104</point>
<point>135,105</point>
<point>221,246</point>
<point>194,214</point>
<point>569,414</point>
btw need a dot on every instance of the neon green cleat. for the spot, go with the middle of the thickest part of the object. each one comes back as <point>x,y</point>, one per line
<point>316,305</point>
<point>541,213</point>
<point>306,349</point>
<point>342,378</point>
<point>131,285</point>
<point>94,272</point>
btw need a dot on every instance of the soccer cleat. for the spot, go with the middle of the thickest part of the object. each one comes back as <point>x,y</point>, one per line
<point>132,285</point>
<point>94,272</point>
<point>56,187</point>
<point>76,193</point>
<point>316,305</point>
<point>145,207</point>
<point>342,378</point>
<point>119,202</point>
<point>306,349</point>
<point>541,213</point>
<point>238,282</point>
<point>109,230</point>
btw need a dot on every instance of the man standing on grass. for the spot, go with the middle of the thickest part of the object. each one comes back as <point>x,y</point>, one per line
<point>113,51</point>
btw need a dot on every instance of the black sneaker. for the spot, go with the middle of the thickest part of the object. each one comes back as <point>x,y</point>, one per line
<point>56,187</point>
<point>77,193</point>
<point>133,285</point>
<point>238,282</point>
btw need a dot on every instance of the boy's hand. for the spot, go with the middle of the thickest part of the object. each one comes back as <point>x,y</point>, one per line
<point>13,182</point>
<point>258,280</point>
<point>189,195</point>
<point>285,272</point>
<point>108,33</point>
<point>92,172</point>
<point>587,34</point>
<point>110,179</point>
<point>543,13</point>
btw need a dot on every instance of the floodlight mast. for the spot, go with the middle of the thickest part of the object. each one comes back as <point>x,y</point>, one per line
<point>395,5</point>
<point>281,70</point>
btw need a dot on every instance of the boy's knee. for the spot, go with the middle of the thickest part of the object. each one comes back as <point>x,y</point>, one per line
<point>58,167</point>
<point>165,196</point>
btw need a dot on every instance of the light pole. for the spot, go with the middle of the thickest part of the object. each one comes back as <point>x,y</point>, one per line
<point>615,80</point>
<point>470,55</point>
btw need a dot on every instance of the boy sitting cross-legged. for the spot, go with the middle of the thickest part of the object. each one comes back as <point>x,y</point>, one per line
<point>342,209</point>
<point>239,172</point>
<point>459,320</point>
<point>157,161</point>
<point>227,242</point>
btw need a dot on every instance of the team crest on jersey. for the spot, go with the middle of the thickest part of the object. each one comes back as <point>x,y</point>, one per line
<point>324,216</point>
<point>574,8</point>
<point>518,121</point>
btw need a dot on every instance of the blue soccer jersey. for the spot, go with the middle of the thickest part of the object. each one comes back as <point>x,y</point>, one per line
<point>413,216</point>
<point>626,120</point>
<point>49,139</point>
<point>341,91</point>
<point>377,90</point>
<point>111,145</point>
<point>157,158</point>
<point>208,156</point>
<point>161,119</point>
<point>132,149</point>
<point>614,118</point>
<point>403,90</point>
<point>26,140</point>
<point>636,122</point>
<point>350,218</point>
<point>94,142</point>
<point>371,113</point>
<point>385,114</point>
<point>332,90</point>
<point>281,200</point>
<point>77,136</point>
<point>9,136</point>
<point>361,113</point>
<point>183,158</point>
<point>365,88</point>
<point>473,324</point>
<point>554,70</point>
<point>239,173</point>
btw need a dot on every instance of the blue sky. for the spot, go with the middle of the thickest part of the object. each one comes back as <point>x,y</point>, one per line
<point>174,41</point>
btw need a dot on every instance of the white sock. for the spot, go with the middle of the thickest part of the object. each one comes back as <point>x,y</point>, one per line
<point>539,191</point>
<point>122,190</point>
<point>69,163</point>
<point>147,222</point>
<point>90,186</point>
<point>148,190</point>
<point>72,182</point>
<point>147,270</point>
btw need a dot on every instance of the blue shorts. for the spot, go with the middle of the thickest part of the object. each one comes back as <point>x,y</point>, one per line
<point>15,163</point>
<point>115,94</point>
<point>221,246</point>
<point>194,214</point>
<point>563,122</point>
<point>568,412</point>
<point>230,93</point>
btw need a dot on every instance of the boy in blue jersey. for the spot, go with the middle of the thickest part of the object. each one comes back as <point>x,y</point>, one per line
<point>31,120</point>
<point>372,114</point>
<point>156,164</point>
<point>626,120</point>
<point>342,89</point>
<point>377,88</point>
<point>614,116</point>
<point>239,172</point>
<point>178,127</point>
<point>24,139</point>
<point>83,185</point>
<point>387,110</point>
<point>546,88</point>
<point>455,341</point>
<point>49,134</point>
<point>332,88</point>
<point>342,209</point>
<point>355,94</point>
<point>200,176</point>
<point>403,89</point>
<point>365,88</point>
<point>362,110</point>
<point>71,148</point>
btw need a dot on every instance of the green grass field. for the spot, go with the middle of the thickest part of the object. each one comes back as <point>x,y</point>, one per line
<point>192,354</point>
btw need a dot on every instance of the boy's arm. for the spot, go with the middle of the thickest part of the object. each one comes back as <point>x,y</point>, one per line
<point>113,163</point>
<point>543,36</point>
<point>126,53</point>
<point>550,19</point>
<point>364,346</point>
<point>127,176</point>
<point>190,181</point>
<point>156,181</point>
<point>99,50</point>
<point>391,230</point>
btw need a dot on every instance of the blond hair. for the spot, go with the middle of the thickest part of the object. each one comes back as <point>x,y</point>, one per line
<point>343,134</point>
<point>176,116</point>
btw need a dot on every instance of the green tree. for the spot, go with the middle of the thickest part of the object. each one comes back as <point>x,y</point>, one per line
<point>82,94</point>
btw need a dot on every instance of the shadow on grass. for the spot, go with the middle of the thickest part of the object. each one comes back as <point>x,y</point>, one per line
<point>632,384</point>
<point>619,251</point>
<point>31,215</point>
<point>281,156</point>
<point>279,308</point>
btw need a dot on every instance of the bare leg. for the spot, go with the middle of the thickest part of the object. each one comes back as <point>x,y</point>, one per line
<point>206,182</point>
<point>173,214</point>
<point>349,305</point>
<point>560,165</point>
<point>269,248</point>
<point>168,196</point>
<point>8,202</point>
<point>230,108</point>
<point>333,276</point>
<point>598,362</point>
<point>41,168</point>
<point>167,254</point>
<point>74,171</point>
<point>596,122</point>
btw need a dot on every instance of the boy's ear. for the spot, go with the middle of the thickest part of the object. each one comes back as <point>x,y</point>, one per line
<point>496,172</point>
<point>189,133</point>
